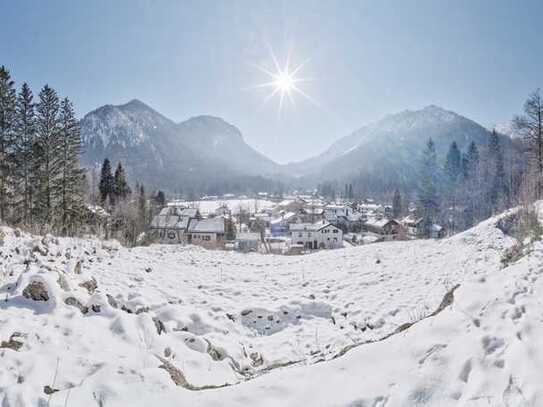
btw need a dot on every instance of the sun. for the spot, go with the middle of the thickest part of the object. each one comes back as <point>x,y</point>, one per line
<point>284,82</point>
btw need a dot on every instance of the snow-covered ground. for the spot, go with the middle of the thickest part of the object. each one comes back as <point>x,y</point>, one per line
<point>273,329</point>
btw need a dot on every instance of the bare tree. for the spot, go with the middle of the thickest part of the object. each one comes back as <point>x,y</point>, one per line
<point>530,126</point>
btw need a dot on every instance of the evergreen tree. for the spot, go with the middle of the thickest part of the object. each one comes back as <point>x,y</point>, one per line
<point>23,173</point>
<point>160,199</point>
<point>122,190</point>
<point>397,208</point>
<point>453,164</point>
<point>498,191</point>
<point>68,186</point>
<point>472,196</point>
<point>107,183</point>
<point>428,195</point>
<point>7,126</point>
<point>46,152</point>
<point>453,174</point>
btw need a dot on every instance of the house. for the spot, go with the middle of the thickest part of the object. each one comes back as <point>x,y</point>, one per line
<point>333,212</point>
<point>280,225</point>
<point>208,233</point>
<point>247,242</point>
<point>314,236</point>
<point>172,223</point>
<point>312,214</point>
<point>412,224</point>
<point>437,231</point>
<point>389,228</point>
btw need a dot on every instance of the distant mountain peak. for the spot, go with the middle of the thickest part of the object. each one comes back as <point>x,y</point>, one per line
<point>134,103</point>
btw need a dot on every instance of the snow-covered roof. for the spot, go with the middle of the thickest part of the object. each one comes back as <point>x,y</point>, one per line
<point>210,225</point>
<point>299,227</point>
<point>248,236</point>
<point>380,223</point>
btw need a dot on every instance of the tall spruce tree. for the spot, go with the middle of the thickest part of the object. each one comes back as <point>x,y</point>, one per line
<point>453,175</point>
<point>7,126</point>
<point>107,183</point>
<point>122,190</point>
<point>428,199</point>
<point>498,191</point>
<point>46,153</point>
<point>472,195</point>
<point>24,179</point>
<point>453,164</point>
<point>397,208</point>
<point>69,185</point>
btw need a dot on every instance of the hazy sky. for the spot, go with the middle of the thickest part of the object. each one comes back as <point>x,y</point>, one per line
<point>366,59</point>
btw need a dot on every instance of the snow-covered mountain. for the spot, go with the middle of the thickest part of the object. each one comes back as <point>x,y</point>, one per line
<point>393,144</point>
<point>163,153</point>
<point>508,129</point>
<point>215,139</point>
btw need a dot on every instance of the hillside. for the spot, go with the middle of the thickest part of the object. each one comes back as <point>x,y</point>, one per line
<point>391,147</point>
<point>202,152</point>
<point>105,325</point>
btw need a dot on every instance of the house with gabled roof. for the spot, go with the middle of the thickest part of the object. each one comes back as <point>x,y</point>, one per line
<point>316,236</point>
<point>171,225</point>
<point>209,233</point>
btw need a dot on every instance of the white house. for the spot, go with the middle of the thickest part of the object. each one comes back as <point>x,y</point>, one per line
<point>333,212</point>
<point>314,236</point>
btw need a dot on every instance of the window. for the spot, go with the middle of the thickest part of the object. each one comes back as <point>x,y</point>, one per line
<point>335,231</point>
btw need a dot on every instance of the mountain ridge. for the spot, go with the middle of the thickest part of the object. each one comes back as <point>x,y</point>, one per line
<point>207,149</point>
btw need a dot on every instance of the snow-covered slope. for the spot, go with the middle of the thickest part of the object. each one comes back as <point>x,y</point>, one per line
<point>393,145</point>
<point>121,326</point>
<point>157,151</point>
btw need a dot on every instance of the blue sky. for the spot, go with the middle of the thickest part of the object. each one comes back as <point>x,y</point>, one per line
<point>366,59</point>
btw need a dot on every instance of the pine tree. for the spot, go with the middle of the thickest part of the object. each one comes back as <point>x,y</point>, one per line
<point>428,195</point>
<point>160,199</point>
<point>68,186</point>
<point>24,178</point>
<point>471,185</point>
<point>122,190</point>
<point>453,164</point>
<point>46,153</point>
<point>7,126</point>
<point>498,191</point>
<point>107,184</point>
<point>453,174</point>
<point>397,204</point>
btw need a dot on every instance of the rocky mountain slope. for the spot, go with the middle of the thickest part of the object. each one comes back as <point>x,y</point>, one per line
<point>393,145</point>
<point>171,155</point>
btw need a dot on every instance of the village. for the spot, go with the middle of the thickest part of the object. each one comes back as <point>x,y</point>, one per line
<point>298,224</point>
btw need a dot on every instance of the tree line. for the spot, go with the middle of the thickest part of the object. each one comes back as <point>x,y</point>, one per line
<point>475,184</point>
<point>41,181</point>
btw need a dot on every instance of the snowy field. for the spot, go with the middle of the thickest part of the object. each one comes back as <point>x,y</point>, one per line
<point>123,326</point>
<point>234,205</point>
